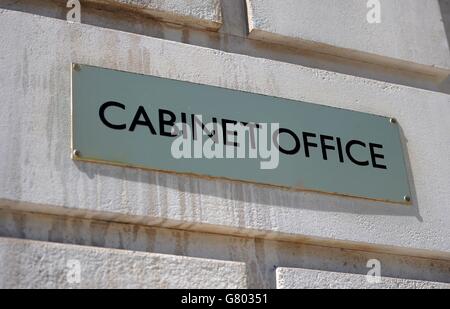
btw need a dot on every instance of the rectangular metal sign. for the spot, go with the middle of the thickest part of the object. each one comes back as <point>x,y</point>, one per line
<point>176,126</point>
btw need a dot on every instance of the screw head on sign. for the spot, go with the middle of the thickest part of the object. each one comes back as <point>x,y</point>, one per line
<point>76,153</point>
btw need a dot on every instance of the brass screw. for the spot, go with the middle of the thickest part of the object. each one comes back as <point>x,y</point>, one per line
<point>393,120</point>
<point>407,198</point>
<point>76,67</point>
<point>76,153</point>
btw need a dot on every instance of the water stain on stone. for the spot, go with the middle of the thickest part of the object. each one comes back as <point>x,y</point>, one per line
<point>57,230</point>
<point>185,36</point>
<point>19,225</point>
<point>260,254</point>
<point>98,233</point>
<point>25,72</point>
<point>150,239</point>
<point>181,242</point>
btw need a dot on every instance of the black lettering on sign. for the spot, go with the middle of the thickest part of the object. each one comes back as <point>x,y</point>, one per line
<point>294,150</point>
<point>327,143</point>
<point>324,146</point>
<point>163,123</point>
<point>101,113</point>
<point>307,143</point>
<point>349,153</point>
<point>374,156</point>
<point>146,122</point>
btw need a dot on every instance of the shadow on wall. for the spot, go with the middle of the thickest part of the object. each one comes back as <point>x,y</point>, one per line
<point>258,194</point>
<point>445,12</point>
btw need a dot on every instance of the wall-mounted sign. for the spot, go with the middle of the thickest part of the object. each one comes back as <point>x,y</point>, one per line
<point>176,126</point>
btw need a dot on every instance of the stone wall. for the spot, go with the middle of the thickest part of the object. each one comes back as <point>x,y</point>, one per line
<point>54,210</point>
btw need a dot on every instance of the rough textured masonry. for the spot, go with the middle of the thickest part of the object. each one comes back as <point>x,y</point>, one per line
<point>40,93</point>
<point>196,13</point>
<point>411,33</point>
<point>184,231</point>
<point>48,265</point>
<point>296,278</point>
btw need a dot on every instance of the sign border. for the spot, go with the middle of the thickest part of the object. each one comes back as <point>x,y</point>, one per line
<point>78,157</point>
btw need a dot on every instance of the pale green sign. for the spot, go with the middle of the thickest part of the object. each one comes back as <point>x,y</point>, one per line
<point>176,126</point>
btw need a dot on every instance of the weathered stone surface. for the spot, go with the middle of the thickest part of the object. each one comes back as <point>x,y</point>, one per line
<point>259,255</point>
<point>195,13</point>
<point>411,34</point>
<point>297,278</point>
<point>33,264</point>
<point>37,172</point>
